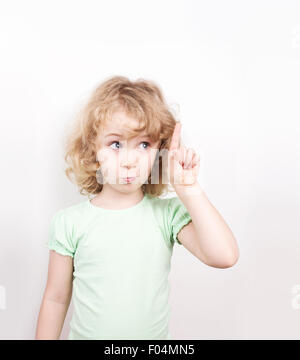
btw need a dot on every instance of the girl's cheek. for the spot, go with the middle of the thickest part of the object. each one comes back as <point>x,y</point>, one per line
<point>109,163</point>
<point>152,156</point>
<point>103,155</point>
<point>145,164</point>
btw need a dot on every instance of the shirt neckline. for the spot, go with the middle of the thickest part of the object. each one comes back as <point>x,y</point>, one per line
<point>117,211</point>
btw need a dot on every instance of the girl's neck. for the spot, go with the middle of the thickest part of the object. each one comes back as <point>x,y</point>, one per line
<point>110,198</point>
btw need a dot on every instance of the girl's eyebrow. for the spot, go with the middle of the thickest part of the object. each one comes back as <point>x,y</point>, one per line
<point>145,136</point>
<point>113,134</point>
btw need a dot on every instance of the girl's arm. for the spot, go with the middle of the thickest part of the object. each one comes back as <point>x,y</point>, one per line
<point>57,297</point>
<point>208,236</point>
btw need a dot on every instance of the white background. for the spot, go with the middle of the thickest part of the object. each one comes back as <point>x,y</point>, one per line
<point>232,71</point>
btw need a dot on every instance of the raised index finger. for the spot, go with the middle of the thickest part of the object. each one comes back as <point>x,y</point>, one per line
<point>175,141</point>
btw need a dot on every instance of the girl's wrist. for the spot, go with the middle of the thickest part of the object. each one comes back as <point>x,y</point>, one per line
<point>194,189</point>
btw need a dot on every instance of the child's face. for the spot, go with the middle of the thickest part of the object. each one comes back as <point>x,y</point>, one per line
<point>121,157</point>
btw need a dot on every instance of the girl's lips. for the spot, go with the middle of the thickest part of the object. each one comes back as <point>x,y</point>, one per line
<point>129,179</point>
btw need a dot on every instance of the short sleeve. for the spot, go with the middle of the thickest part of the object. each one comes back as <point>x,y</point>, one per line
<point>178,217</point>
<point>61,235</point>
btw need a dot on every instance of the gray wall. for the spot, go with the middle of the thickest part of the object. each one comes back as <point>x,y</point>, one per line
<point>234,70</point>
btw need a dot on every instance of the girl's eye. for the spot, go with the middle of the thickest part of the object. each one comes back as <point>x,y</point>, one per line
<point>143,142</point>
<point>114,143</point>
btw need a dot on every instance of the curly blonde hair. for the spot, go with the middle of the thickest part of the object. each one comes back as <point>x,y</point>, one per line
<point>141,99</point>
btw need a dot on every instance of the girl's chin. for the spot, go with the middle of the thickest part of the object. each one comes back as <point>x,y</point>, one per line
<point>129,184</point>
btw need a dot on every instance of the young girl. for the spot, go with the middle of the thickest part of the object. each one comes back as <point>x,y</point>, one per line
<point>112,253</point>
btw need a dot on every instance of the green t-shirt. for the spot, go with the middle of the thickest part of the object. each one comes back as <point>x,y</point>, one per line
<point>121,265</point>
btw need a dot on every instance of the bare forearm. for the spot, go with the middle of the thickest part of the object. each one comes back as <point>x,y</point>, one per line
<point>213,234</point>
<point>51,319</point>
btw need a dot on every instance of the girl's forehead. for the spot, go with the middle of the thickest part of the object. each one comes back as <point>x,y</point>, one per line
<point>124,127</point>
<point>120,118</point>
<point>122,131</point>
<point>127,127</point>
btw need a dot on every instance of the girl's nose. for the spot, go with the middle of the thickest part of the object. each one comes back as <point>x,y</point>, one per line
<point>128,158</point>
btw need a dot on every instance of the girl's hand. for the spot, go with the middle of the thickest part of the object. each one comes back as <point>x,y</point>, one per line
<point>183,163</point>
